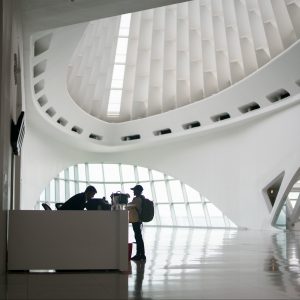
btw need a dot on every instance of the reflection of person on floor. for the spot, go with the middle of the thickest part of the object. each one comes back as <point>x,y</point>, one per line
<point>140,269</point>
<point>135,208</point>
<point>78,201</point>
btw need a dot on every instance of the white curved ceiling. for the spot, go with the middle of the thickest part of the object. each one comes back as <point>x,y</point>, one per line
<point>179,54</point>
<point>50,107</point>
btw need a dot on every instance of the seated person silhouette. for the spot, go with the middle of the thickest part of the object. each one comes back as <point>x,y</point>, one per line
<point>98,204</point>
<point>78,201</point>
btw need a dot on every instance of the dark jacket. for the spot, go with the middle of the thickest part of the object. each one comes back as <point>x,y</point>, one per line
<point>77,202</point>
<point>97,204</point>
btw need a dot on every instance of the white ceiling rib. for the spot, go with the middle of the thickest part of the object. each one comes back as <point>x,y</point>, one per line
<point>179,54</point>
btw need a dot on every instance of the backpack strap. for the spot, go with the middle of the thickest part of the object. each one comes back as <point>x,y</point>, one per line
<point>142,197</point>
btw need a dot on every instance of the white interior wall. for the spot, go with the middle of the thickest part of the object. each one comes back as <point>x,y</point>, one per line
<point>229,166</point>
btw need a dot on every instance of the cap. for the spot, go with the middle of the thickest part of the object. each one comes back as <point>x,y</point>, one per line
<point>138,188</point>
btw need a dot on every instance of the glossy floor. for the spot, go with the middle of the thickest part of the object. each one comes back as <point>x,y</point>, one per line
<point>182,264</point>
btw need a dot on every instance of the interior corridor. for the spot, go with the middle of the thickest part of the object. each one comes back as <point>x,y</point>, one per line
<point>182,263</point>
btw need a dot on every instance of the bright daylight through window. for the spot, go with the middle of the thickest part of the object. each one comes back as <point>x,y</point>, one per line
<point>115,96</point>
<point>176,204</point>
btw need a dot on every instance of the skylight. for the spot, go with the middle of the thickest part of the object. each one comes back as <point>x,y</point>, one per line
<point>115,96</point>
<point>138,65</point>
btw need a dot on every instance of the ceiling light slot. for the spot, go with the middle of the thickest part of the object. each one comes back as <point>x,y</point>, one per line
<point>220,117</point>
<point>61,121</point>
<point>39,86</point>
<point>278,95</point>
<point>94,136</point>
<point>131,137</point>
<point>162,131</point>
<point>77,129</point>
<point>249,107</point>
<point>41,45</point>
<point>39,68</point>
<point>191,125</point>
<point>42,100</point>
<point>50,111</point>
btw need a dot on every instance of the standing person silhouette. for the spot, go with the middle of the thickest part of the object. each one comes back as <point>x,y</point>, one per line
<point>135,208</point>
<point>78,201</point>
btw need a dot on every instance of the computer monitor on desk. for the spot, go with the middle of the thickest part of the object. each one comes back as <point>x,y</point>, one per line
<point>98,204</point>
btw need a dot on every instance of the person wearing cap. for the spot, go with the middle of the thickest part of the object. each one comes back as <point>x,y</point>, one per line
<point>135,208</point>
<point>78,201</point>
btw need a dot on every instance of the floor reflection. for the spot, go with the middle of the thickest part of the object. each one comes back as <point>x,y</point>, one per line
<point>182,263</point>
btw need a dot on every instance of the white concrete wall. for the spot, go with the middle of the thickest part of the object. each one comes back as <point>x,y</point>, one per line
<point>230,165</point>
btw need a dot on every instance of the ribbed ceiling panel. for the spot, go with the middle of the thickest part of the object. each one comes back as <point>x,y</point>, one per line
<point>180,53</point>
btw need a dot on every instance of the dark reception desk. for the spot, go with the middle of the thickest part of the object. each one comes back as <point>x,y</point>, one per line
<point>68,240</point>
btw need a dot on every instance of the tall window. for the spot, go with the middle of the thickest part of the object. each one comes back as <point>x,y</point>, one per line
<point>115,96</point>
<point>176,204</point>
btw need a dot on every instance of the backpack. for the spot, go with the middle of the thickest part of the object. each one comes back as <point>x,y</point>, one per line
<point>147,212</point>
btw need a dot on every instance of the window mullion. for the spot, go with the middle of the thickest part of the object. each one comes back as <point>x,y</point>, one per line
<point>104,186</point>
<point>171,204</point>
<point>76,179</point>
<point>206,214</point>
<point>187,205</point>
<point>157,215</point>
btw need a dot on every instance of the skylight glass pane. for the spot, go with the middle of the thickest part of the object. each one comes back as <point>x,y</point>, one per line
<point>127,189</point>
<point>110,189</point>
<point>165,214</point>
<point>100,190</point>
<point>161,192</point>
<point>43,196</point>
<point>71,173</point>
<point>198,215</point>
<point>62,175</point>
<point>113,109</point>
<point>71,188</point>
<point>128,173</point>
<point>117,79</point>
<point>114,102</point>
<point>82,186</point>
<point>181,214</point>
<point>111,172</point>
<point>52,191</point>
<point>117,84</point>
<point>95,172</point>
<point>143,174</point>
<point>231,224</point>
<point>217,222</point>
<point>81,172</point>
<point>125,25</point>
<point>122,45</point>
<point>213,210</point>
<point>176,191</point>
<point>115,96</point>
<point>215,215</point>
<point>147,190</point>
<point>62,191</point>
<point>192,194</point>
<point>156,175</point>
<point>121,50</point>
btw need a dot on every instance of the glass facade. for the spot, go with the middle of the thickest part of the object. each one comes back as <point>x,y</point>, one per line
<point>176,204</point>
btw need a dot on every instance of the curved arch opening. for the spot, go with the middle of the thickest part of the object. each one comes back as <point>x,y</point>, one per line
<point>176,203</point>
